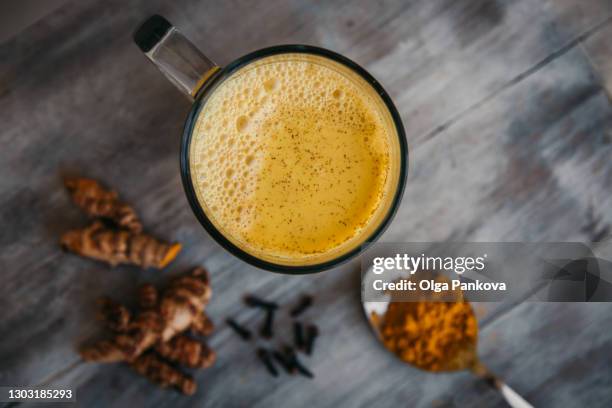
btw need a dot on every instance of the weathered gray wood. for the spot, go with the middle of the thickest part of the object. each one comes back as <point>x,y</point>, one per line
<point>575,17</point>
<point>599,49</point>
<point>510,137</point>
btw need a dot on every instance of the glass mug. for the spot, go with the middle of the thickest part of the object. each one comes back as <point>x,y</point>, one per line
<point>202,81</point>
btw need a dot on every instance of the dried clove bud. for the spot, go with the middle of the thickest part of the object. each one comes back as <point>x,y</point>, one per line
<point>240,330</point>
<point>298,335</point>
<point>295,363</point>
<point>254,301</point>
<point>267,329</point>
<point>265,357</point>
<point>302,369</point>
<point>304,303</point>
<point>289,353</point>
<point>312,332</point>
<point>284,361</point>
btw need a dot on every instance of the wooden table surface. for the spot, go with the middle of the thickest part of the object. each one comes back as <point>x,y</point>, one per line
<point>507,109</point>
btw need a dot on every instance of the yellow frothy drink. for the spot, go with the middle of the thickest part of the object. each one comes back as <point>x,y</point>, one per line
<point>294,159</point>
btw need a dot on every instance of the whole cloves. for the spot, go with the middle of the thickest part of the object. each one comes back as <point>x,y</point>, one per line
<point>312,332</point>
<point>265,357</point>
<point>296,364</point>
<point>284,361</point>
<point>288,352</point>
<point>286,356</point>
<point>240,330</point>
<point>254,301</point>
<point>304,303</point>
<point>302,369</point>
<point>267,329</point>
<point>298,335</point>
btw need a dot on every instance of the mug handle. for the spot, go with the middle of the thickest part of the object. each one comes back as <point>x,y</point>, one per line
<point>174,55</point>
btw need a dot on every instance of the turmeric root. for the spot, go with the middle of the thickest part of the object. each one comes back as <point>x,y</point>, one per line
<point>202,325</point>
<point>147,296</point>
<point>96,201</point>
<point>104,351</point>
<point>187,351</point>
<point>119,246</point>
<point>135,334</point>
<point>148,299</point>
<point>142,334</point>
<point>114,315</point>
<point>139,338</point>
<point>158,371</point>
<point>179,307</point>
<point>181,349</point>
<point>183,302</point>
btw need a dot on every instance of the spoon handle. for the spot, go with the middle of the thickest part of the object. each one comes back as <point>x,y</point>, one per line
<point>512,397</point>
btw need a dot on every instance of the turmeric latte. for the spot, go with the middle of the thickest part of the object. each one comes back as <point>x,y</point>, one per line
<point>293,159</point>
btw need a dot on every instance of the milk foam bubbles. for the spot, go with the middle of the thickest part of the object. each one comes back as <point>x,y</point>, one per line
<point>290,156</point>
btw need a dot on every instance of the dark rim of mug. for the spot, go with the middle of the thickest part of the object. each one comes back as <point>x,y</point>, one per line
<point>186,172</point>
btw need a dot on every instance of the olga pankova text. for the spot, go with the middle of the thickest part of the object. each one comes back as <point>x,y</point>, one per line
<point>432,285</point>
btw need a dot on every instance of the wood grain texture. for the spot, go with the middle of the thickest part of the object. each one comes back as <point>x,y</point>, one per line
<point>510,130</point>
<point>575,17</point>
<point>599,49</point>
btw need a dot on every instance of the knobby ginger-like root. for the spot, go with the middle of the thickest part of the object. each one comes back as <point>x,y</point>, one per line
<point>114,315</point>
<point>179,308</point>
<point>158,371</point>
<point>181,349</point>
<point>135,335</point>
<point>96,201</point>
<point>142,334</point>
<point>148,296</point>
<point>183,302</point>
<point>119,246</point>
<point>104,351</point>
<point>187,351</point>
<point>202,325</point>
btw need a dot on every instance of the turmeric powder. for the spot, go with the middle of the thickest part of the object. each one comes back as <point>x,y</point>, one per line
<point>431,335</point>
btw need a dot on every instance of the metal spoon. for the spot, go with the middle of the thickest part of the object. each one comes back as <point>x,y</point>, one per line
<point>466,359</point>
